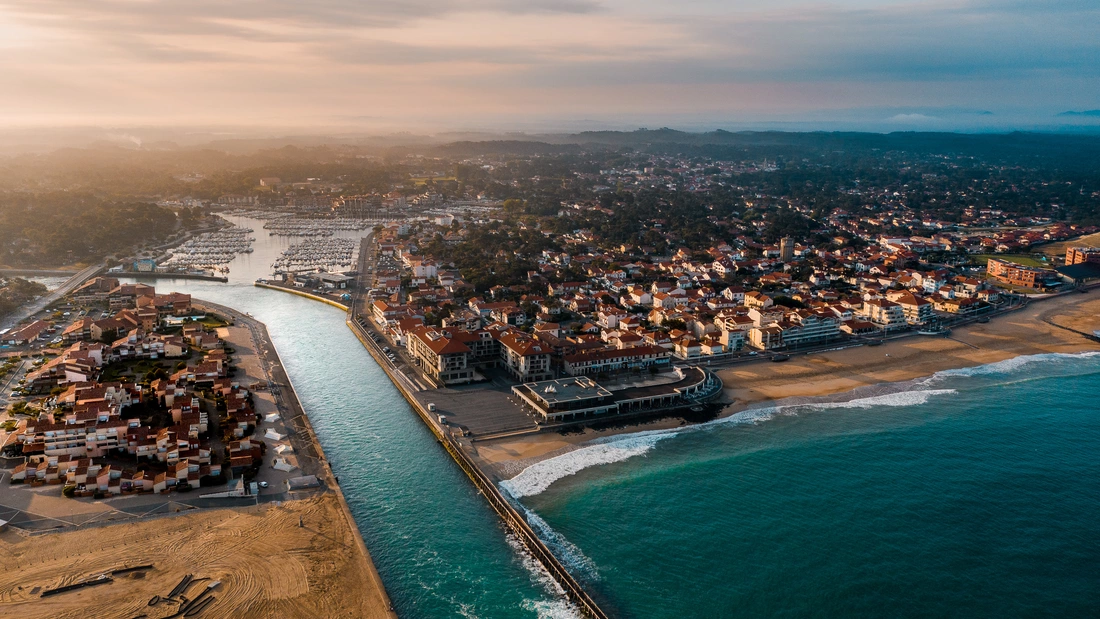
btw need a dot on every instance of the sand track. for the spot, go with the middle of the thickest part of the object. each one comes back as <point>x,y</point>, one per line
<point>268,566</point>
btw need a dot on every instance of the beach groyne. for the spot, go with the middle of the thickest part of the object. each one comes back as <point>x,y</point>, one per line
<point>507,512</point>
<point>301,293</point>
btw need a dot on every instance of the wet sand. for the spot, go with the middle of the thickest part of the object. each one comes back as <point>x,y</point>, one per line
<point>1024,332</point>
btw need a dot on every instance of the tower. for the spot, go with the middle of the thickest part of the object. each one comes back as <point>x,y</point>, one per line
<point>786,249</point>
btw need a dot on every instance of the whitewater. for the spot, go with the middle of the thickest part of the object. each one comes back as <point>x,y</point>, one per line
<point>539,476</point>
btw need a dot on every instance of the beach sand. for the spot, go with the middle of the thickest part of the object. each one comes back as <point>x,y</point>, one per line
<point>299,572</point>
<point>269,566</point>
<point>1024,332</point>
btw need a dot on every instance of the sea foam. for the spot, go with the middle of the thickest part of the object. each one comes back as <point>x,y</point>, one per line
<point>541,475</point>
<point>1009,366</point>
<point>538,477</point>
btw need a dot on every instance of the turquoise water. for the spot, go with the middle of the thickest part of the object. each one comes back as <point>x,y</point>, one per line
<point>439,548</point>
<point>974,494</point>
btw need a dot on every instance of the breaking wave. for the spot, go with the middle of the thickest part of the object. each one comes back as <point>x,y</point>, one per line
<point>558,606</point>
<point>541,475</point>
<point>1009,366</point>
<point>538,477</point>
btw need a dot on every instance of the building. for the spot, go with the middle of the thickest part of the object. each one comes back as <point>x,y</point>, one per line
<point>1082,255</point>
<point>805,327</point>
<point>579,397</point>
<point>602,361</point>
<point>786,249</point>
<point>887,315</point>
<point>1020,275</point>
<point>917,309</point>
<point>526,359</point>
<point>567,398</point>
<point>440,357</point>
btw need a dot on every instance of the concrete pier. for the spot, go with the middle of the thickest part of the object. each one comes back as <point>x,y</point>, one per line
<point>505,509</point>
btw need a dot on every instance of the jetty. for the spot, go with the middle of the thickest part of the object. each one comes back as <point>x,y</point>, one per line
<point>504,508</point>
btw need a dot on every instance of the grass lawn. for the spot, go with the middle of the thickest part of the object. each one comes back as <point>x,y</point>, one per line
<point>213,322</point>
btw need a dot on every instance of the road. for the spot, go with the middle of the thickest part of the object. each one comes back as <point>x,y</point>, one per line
<point>30,309</point>
<point>307,448</point>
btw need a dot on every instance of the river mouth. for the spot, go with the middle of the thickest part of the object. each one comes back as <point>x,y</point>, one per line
<point>440,549</point>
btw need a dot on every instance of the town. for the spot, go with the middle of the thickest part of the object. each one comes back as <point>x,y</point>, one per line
<point>141,394</point>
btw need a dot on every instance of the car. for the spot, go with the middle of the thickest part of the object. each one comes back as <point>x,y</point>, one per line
<point>263,484</point>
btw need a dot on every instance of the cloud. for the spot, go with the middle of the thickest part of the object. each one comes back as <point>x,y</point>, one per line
<point>469,57</point>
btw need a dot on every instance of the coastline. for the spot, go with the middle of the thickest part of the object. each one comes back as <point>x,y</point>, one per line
<point>843,373</point>
<point>464,456</point>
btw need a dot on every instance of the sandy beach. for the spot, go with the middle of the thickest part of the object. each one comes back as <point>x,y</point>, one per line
<point>1024,332</point>
<point>303,571</point>
<point>267,564</point>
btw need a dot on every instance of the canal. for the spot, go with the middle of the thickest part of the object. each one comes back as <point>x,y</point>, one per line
<point>440,549</point>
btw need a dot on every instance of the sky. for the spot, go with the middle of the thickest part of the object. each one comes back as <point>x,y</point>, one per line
<point>519,64</point>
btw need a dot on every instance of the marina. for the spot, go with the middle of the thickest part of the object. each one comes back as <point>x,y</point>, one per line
<point>211,251</point>
<point>294,226</point>
<point>318,255</point>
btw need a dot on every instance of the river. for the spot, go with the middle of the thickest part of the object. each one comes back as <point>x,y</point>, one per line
<point>440,549</point>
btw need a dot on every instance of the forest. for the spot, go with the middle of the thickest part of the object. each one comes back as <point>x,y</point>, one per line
<point>63,229</point>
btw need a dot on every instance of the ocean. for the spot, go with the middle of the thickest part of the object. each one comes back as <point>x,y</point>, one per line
<point>974,493</point>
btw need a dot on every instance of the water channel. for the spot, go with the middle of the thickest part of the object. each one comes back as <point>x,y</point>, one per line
<point>439,548</point>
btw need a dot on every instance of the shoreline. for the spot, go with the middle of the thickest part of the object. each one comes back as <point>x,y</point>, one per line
<point>1040,328</point>
<point>302,294</point>
<point>464,455</point>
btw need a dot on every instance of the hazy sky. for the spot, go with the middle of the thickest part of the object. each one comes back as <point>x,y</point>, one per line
<point>457,63</point>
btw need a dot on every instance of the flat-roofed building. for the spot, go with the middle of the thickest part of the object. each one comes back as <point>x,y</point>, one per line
<point>1020,275</point>
<point>567,398</point>
<point>1082,255</point>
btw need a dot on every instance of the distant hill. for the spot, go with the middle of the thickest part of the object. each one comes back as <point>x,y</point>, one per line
<point>1076,151</point>
<point>1088,113</point>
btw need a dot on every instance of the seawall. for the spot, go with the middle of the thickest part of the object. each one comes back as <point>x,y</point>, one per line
<point>303,294</point>
<point>504,509</point>
<point>277,374</point>
<point>158,275</point>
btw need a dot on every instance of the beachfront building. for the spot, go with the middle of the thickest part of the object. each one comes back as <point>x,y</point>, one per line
<point>917,309</point>
<point>804,327</point>
<point>567,398</point>
<point>885,314</point>
<point>579,397</point>
<point>440,357</point>
<point>526,358</point>
<point>613,360</point>
<point>1020,275</point>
